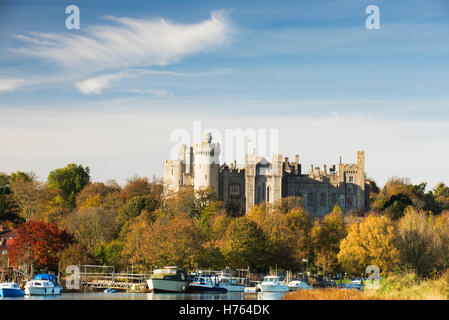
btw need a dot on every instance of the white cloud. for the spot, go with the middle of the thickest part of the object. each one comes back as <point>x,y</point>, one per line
<point>97,84</point>
<point>154,92</point>
<point>128,42</point>
<point>9,84</point>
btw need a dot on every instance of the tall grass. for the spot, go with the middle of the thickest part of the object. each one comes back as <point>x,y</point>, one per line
<point>404,286</point>
<point>329,294</point>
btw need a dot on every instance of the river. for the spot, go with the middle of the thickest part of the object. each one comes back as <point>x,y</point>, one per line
<point>156,296</point>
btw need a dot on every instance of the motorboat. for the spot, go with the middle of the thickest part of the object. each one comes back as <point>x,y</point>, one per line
<point>356,284</point>
<point>206,284</point>
<point>10,289</point>
<point>298,285</point>
<point>168,279</point>
<point>43,284</point>
<point>272,284</point>
<point>109,290</point>
<point>230,283</point>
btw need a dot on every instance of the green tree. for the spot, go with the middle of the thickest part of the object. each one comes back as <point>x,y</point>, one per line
<point>71,180</point>
<point>245,244</point>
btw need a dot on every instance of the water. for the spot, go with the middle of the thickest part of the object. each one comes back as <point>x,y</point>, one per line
<point>156,296</point>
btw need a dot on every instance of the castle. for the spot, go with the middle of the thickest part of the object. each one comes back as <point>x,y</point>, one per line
<point>261,181</point>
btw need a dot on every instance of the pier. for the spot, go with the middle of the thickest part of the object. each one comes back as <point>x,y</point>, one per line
<point>102,277</point>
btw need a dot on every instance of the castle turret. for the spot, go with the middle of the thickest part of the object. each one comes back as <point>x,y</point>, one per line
<point>206,164</point>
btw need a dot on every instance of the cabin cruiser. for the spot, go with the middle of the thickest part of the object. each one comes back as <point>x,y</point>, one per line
<point>43,284</point>
<point>10,289</point>
<point>298,285</point>
<point>168,279</point>
<point>230,283</point>
<point>272,284</point>
<point>206,284</point>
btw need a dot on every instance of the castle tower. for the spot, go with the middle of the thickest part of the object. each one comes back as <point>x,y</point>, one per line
<point>250,180</point>
<point>206,166</point>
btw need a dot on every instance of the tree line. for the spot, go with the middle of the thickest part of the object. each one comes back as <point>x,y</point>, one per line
<point>70,220</point>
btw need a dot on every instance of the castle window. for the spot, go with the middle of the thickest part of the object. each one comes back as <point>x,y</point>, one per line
<point>350,202</point>
<point>323,200</point>
<point>268,194</point>
<point>234,190</point>
<point>351,179</point>
<point>350,189</point>
<point>311,200</point>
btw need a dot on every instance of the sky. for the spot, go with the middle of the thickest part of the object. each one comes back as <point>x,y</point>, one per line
<point>112,94</point>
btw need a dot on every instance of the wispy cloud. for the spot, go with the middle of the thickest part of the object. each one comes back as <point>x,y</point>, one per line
<point>10,84</point>
<point>97,84</point>
<point>154,92</point>
<point>129,42</point>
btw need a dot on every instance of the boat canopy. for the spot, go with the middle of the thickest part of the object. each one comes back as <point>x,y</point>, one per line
<point>46,276</point>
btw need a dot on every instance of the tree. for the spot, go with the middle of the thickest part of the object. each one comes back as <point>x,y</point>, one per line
<point>441,192</point>
<point>245,244</point>
<point>110,254</point>
<point>417,242</point>
<point>92,227</point>
<point>135,206</point>
<point>29,197</point>
<point>71,180</point>
<point>39,244</point>
<point>22,176</point>
<point>96,194</point>
<point>326,236</point>
<point>75,254</point>
<point>370,242</point>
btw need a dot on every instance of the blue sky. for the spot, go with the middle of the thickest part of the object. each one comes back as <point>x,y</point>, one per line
<point>108,95</point>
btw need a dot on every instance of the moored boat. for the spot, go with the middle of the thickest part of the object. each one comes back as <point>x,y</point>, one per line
<point>43,284</point>
<point>230,283</point>
<point>10,289</point>
<point>298,285</point>
<point>168,279</point>
<point>272,284</point>
<point>206,284</point>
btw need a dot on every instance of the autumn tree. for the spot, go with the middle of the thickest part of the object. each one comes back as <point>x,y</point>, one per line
<point>172,240</point>
<point>92,227</point>
<point>39,244</point>
<point>326,236</point>
<point>71,180</point>
<point>97,194</point>
<point>29,197</point>
<point>417,242</point>
<point>370,242</point>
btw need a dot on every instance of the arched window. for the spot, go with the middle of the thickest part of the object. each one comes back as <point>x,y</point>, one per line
<point>350,189</point>
<point>349,201</point>
<point>268,194</point>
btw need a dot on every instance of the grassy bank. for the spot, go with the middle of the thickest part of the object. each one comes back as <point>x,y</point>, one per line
<point>406,286</point>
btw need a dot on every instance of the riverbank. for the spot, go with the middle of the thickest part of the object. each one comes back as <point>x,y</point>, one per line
<point>407,286</point>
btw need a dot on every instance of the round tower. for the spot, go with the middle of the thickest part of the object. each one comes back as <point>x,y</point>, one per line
<point>206,167</point>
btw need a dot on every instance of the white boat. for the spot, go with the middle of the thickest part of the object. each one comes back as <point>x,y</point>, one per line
<point>272,284</point>
<point>231,284</point>
<point>168,279</point>
<point>43,284</point>
<point>298,285</point>
<point>10,289</point>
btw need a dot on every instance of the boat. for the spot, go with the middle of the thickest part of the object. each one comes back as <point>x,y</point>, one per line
<point>109,290</point>
<point>206,284</point>
<point>168,279</point>
<point>298,285</point>
<point>10,289</point>
<point>43,284</point>
<point>230,283</point>
<point>272,284</point>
